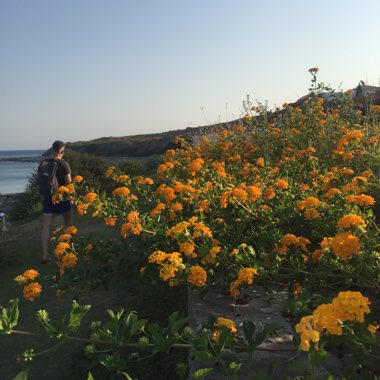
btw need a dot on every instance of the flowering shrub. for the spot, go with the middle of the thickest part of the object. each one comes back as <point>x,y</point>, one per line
<point>289,198</point>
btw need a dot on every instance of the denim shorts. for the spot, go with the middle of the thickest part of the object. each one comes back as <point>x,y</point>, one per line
<point>55,208</point>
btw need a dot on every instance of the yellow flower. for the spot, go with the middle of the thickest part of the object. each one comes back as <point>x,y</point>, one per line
<point>82,208</point>
<point>372,328</point>
<point>270,192</point>
<point>224,199</point>
<point>245,275</point>
<point>332,192</point>
<point>220,169</point>
<point>109,171</point>
<point>316,255</point>
<point>68,261</point>
<point>239,194</point>
<point>65,237</point>
<point>30,274</point>
<point>312,213</point>
<point>57,230</point>
<point>187,248</point>
<point>345,245</point>
<point>122,177</point>
<point>254,193</point>
<point>78,179</point>
<point>289,239</point>
<point>71,188</point>
<point>260,161</point>
<point>157,257</point>
<point>132,226</point>
<point>308,202</point>
<point>197,276</point>
<point>351,220</point>
<point>351,306</point>
<point>201,231</point>
<point>303,186</point>
<point>158,209</point>
<point>361,200</point>
<point>61,249</point>
<point>63,189</point>
<point>204,206</point>
<point>121,192</point>
<point>225,322</point>
<point>72,230</point>
<point>281,184</point>
<point>110,221</point>
<point>195,166</point>
<point>176,206</point>
<point>32,291</point>
<point>90,197</point>
<point>211,257</point>
<point>56,198</point>
<point>89,247</point>
<point>306,327</point>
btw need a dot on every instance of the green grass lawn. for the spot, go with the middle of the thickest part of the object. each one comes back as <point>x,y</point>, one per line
<point>21,251</point>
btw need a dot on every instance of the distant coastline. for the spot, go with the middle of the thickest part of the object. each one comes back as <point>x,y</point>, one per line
<point>22,159</point>
<point>16,167</point>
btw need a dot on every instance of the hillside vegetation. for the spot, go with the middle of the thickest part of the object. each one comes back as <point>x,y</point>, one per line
<point>286,200</point>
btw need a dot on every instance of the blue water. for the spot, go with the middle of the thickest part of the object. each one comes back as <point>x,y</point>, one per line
<point>14,175</point>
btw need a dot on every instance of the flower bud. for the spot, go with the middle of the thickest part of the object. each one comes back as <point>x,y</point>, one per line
<point>188,332</point>
<point>143,343</point>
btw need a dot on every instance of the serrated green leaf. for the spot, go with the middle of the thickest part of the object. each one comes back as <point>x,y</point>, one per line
<point>76,314</point>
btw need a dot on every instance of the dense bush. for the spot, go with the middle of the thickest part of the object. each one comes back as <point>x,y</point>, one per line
<point>132,168</point>
<point>287,198</point>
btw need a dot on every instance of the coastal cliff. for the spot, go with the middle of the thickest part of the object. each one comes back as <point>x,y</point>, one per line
<point>143,145</point>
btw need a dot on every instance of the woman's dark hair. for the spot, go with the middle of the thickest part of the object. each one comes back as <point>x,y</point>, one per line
<point>58,145</point>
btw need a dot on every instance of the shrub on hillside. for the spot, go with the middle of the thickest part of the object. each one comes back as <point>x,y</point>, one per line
<point>132,168</point>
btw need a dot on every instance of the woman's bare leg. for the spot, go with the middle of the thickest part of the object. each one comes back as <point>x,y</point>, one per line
<point>47,223</point>
<point>68,218</point>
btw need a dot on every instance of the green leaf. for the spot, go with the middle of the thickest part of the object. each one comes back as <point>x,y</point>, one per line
<point>76,314</point>
<point>233,368</point>
<point>9,317</point>
<point>113,363</point>
<point>223,337</point>
<point>268,329</point>
<point>89,376</point>
<point>317,357</point>
<point>201,373</point>
<point>13,312</point>
<point>137,326</point>
<point>22,375</point>
<point>204,356</point>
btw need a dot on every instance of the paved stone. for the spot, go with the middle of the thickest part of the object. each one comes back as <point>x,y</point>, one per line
<point>261,308</point>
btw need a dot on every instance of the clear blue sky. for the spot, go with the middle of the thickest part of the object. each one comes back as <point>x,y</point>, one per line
<point>82,69</point>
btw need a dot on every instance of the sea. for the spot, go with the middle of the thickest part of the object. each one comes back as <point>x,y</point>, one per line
<point>14,175</point>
